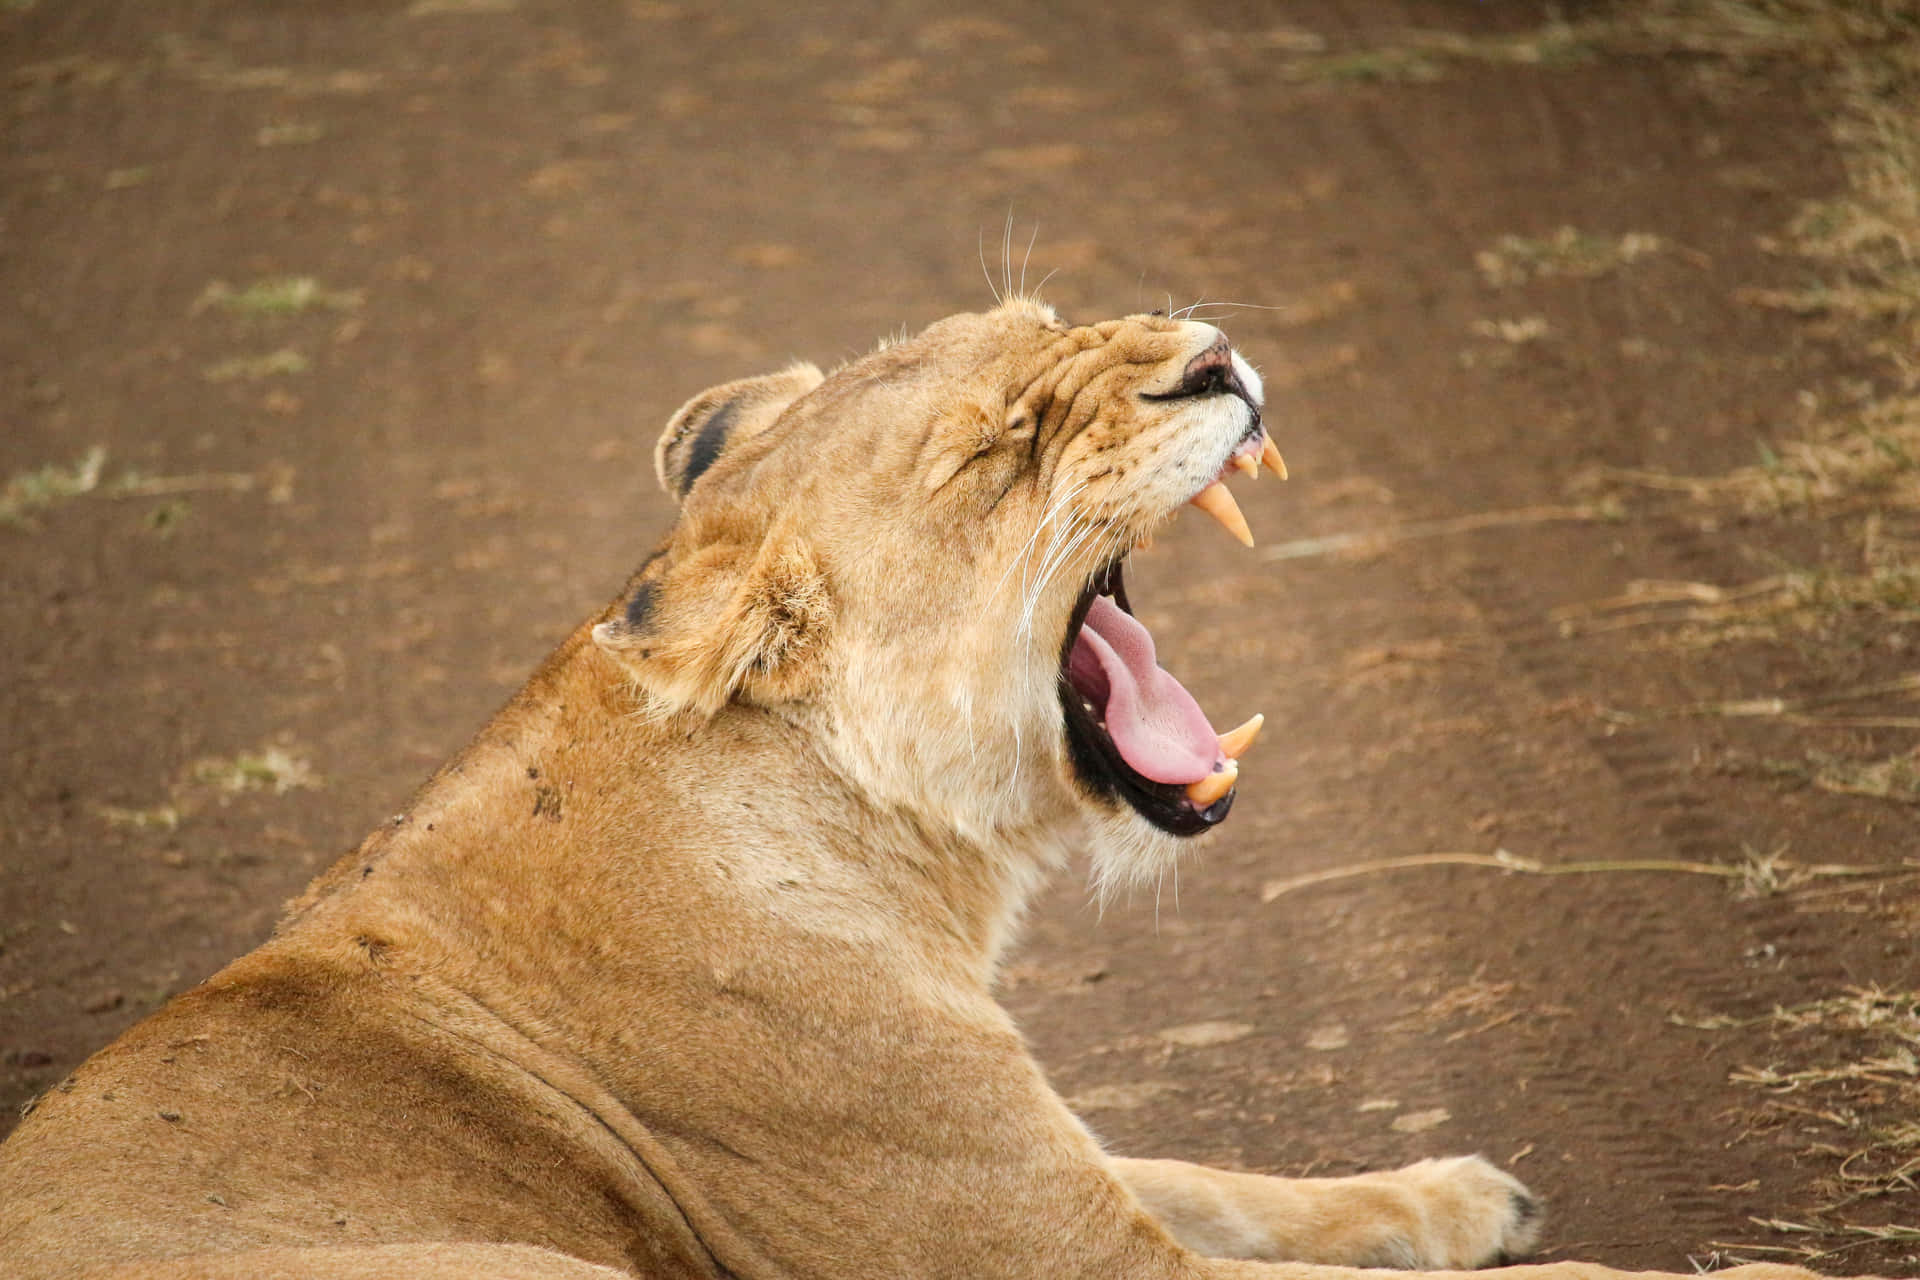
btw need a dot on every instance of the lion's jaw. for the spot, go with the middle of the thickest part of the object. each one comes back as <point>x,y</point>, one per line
<point>903,558</point>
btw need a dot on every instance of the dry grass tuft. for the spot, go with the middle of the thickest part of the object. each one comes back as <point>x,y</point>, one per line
<point>159,817</point>
<point>1517,333</point>
<point>1865,242</point>
<point>289,133</point>
<point>1844,1077</point>
<point>206,64</point>
<point>434,8</point>
<point>1866,460</point>
<point>1755,29</point>
<point>1567,251</point>
<point>1896,777</point>
<point>1699,615</point>
<point>1757,875</point>
<point>1860,466</point>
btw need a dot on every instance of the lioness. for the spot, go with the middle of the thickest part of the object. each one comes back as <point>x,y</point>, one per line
<point>684,966</point>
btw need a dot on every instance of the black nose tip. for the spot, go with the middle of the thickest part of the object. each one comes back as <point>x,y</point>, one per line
<point>1211,371</point>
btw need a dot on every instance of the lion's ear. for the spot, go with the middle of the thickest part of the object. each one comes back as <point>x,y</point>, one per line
<point>721,416</point>
<point>723,621</point>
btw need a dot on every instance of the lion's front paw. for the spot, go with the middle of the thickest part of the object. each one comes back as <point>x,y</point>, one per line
<point>1466,1213</point>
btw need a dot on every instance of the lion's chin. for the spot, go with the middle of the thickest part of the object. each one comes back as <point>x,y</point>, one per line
<point>1127,852</point>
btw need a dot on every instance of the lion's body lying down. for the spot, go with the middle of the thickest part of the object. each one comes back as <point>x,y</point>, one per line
<point>683,967</point>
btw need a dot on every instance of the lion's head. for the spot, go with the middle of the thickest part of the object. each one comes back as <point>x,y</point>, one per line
<point>920,558</point>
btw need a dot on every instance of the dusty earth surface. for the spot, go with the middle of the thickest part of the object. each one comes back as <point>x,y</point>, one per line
<point>336,522</point>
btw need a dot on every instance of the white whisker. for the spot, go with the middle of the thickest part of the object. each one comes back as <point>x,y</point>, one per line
<point>1006,255</point>
<point>1231,307</point>
<point>1082,529</point>
<point>1026,552</point>
<point>982,245</point>
<point>1030,588</point>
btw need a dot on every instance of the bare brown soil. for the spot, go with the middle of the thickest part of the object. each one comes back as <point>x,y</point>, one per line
<point>533,229</point>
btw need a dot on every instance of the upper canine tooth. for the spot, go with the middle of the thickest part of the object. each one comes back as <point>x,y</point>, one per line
<point>1218,503</point>
<point>1234,742</point>
<point>1246,464</point>
<point>1270,454</point>
<point>1214,785</point>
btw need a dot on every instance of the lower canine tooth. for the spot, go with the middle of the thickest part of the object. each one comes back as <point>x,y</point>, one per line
<point>1218,503</point>
<point>1270,454</point>
<point>1214,785</point>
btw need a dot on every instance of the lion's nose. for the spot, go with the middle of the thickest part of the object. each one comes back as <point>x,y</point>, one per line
<point>1212,372</point>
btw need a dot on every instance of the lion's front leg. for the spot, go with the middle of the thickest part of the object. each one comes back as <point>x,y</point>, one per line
<point>1437,1214</point>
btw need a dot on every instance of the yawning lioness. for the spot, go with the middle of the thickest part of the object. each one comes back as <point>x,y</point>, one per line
<point>684,966</point>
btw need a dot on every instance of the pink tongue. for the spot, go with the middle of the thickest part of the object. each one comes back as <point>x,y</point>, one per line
<point>1159,729</point>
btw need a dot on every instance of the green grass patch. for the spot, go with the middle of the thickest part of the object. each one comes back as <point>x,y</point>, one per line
<point>274,364</point>
<point>165,519</point>
<point>32,492</point>
<point>271,768</point>
<point>1423,56</point>
<point>277,296</point>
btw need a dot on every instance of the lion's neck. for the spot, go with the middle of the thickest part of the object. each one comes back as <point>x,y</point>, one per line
<point>575,830</point>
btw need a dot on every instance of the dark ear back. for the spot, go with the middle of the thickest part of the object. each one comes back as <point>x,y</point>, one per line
<point>723,416</point>
<point>725,620</point>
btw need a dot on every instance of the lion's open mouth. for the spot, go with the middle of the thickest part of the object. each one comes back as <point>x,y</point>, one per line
<point>1133,731</point>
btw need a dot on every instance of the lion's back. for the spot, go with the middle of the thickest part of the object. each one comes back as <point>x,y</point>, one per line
<point>292,1111</point>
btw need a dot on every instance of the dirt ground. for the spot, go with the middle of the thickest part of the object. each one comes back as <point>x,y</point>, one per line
<point>375,308</point>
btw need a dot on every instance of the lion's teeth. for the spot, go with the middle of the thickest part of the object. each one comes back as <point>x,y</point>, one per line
<point>1247,465</point>
<point>1218,503</point>
<point>1270,454</point>
<point>1145,543</point>
<point>1214,785</point>
<point>1234,742</point>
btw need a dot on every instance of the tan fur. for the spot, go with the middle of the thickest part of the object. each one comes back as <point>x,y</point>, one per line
<point>683,967</point>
